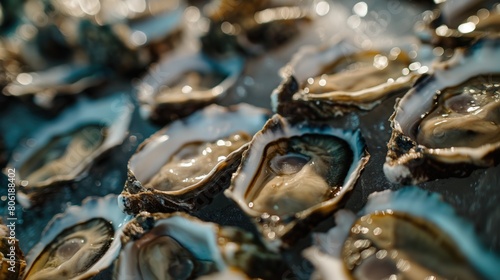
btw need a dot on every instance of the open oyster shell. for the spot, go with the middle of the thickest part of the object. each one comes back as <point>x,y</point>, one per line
<point>47,86</point>
<point>381,241</point>
<point>12,261</point>
<point>179,246</point>
<point>447,124</point>
<point>459,24</point>
<point>63,150</point>
<point>184,82</point>
<point>256,26</point>
<point>330,80</point>
<point>80,242</point>
<point>183,166</point>
<point>292,176</point>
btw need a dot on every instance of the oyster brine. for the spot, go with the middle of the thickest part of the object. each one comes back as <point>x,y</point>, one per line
<point>63,150</point>
<point>327,81</point>
<point>447,124</point>
<point>178,246</point>
<point>292,176</point>
<point>380,242</point>
<point>183,166</point>
<point>78,243</point>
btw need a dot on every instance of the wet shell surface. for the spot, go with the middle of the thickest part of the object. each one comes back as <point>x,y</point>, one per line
<point>183,166</point>
<point>330,80</point>
<point>179,246</point>
<point>62,151</point>
<point>380,242</point>
<point>292,176</point>
<point>184,82</point>
<point>80,242</point>
<point>447,125</point>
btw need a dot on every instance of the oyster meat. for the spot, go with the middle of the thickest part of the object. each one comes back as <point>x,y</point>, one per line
<point>380,242</point>
<point>198,156</point>
<point>293,175</point>
<point>64,150</point>
<point>78,243</point>
<point>178,246</point>
<point>448,123</point>
<point>321,83</point>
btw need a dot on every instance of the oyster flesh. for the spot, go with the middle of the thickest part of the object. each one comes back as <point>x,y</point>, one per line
<point>325,82</point>
<point>63,150</point>
<point>183,166</point>
<point>447,125</point>
<point>178,246</point>
<point>380,242</point>
<point>80,242</point>
<point>292,176</point>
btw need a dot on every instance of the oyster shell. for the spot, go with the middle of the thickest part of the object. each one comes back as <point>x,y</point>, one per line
<point>380,242</point>
<point>292,176</point>
<point>330,80</point>
<point>457,25</point>
<point>178,246</point>
<point>63,150</point>
<point>185,82</point>
<point>183,166</point>
<point>447,124</point>
<point>12,262</point>
<point>255,26</point>
<point>48,85</point>
<point>80,242</point>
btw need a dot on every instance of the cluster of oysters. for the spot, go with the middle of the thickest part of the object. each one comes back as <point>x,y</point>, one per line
<point>287,170</point>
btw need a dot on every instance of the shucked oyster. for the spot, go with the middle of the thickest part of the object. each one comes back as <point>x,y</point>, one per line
<point>406,234</point>
<point>459,24</point>
<point>79,243</point>
<point>255,26</point>
<point>178,246</point>
<point>64,149</point>
<point>293,176</point>
<point>183,166</point>
<point>325,82</point>
<point>448,123</point>
<point>185,82</point>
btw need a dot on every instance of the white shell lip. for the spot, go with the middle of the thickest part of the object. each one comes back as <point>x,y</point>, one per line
<point>114,111</point>
<point>250,164</point>
<point>326,252</point>
<point>92,207</point>
<point>480,58</point>
<point>171,68</point>
<point>310,60</point>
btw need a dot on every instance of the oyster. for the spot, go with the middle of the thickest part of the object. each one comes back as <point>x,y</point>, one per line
<point>256,26</point>
<point>325,82</point>
<point>48,85</point>
<point>185,82</point>
<point>178,246</point>
<point>183,166</point>
<point>63,150</point>
<point>447,124</point>
<point>293,176</point>
<point>127,36</point>
<point>380,242</point>
<point>12,262</point>
<point>459,25</point>
<point>78,243</point>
